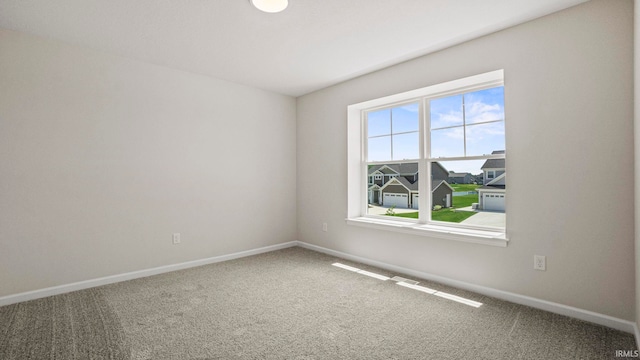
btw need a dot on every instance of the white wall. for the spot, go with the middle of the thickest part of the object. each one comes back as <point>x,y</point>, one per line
<point>569,111</point>
<point>636,123</point>
<point>103,158</point>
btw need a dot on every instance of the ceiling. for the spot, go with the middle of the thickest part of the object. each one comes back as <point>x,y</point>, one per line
<point>311,45</point>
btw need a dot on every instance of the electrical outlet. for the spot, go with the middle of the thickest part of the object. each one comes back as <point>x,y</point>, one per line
<point>325,227</point>
<point>540,262</point>
<point>176,238</point>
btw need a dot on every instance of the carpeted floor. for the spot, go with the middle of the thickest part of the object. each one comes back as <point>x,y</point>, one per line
<point>292,304</point>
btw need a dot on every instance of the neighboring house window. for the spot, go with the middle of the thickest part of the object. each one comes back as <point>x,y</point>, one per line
<point>455,127</point>
<point>378,177</point>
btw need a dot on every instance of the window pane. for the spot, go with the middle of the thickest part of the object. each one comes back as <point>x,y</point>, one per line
<point>447,142</point>
<point>484,105</point>
<point>473,198</point>
<point>446,112</point>
<point>484,139</point>
<point>379,148</point>
<point>405,146</point>
<point>405,118</point>
<point>379,122</point>
<point>394,192</point>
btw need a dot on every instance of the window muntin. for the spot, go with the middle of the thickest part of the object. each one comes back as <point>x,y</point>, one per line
<point>393,133</point>
<point>463,130</point>
<point>468,124</point>
<point>468,129</point>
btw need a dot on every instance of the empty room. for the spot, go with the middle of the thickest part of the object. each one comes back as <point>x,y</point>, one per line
<point>273,179</point>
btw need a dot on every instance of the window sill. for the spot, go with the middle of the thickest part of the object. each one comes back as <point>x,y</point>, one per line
<point>485,237</point>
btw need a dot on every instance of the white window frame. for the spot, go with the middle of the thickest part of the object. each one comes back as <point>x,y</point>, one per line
<point>357,166</point>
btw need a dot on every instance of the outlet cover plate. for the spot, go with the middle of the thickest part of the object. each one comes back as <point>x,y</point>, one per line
<point>540,262</point>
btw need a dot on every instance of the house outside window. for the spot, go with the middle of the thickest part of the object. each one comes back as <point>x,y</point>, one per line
<point>432,145</point>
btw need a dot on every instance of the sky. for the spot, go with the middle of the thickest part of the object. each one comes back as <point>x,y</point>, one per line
<point>475,119</point>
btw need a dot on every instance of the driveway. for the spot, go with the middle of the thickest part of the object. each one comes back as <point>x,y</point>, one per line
<point>486,218</point>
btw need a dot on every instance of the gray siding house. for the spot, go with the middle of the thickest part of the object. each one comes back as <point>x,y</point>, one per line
<point>441,193</point>
<point>460,178</point>
<point>492,195</point>
<point>397,185</point>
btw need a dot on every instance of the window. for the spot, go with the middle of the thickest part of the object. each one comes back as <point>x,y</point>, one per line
<point>418,140</point>
<point>392,133</point>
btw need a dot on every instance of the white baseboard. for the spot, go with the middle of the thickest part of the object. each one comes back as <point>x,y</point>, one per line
<point>577,313</point>
<point>56,290</point>
<point>590,316</point>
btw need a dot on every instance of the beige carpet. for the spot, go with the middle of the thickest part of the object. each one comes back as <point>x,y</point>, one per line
<point>80,325</point>
<point>291,304</point>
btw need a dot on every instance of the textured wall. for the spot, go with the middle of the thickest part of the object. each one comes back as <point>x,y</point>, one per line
<point>569,111</point>
<point>103,158</point>
<point>636,123</point>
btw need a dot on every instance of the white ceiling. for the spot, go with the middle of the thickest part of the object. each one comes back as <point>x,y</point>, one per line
<point>311,45</point>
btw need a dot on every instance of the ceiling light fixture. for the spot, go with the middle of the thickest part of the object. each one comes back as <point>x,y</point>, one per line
<point>270,6</point>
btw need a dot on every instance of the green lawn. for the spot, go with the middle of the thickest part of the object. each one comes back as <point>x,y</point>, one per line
<point>464,200</point>
<point>412,215</point>
<point>464,187</point>
<point>451,215</point>
<point>447,215</point>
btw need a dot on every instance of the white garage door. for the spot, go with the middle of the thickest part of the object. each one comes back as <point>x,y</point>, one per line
<point>399,200</point>
<point>414,201</point>
<point>493,202</point>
